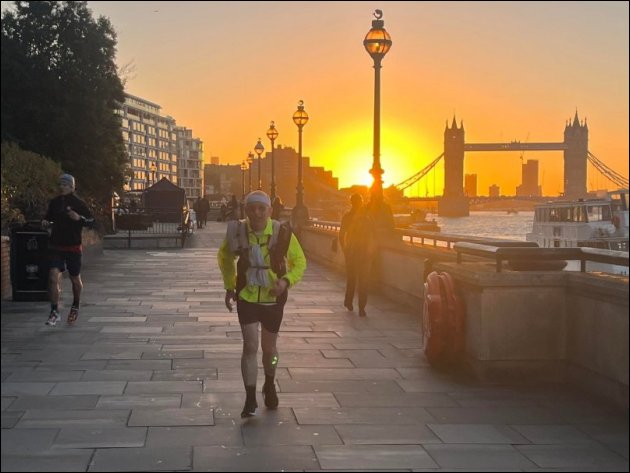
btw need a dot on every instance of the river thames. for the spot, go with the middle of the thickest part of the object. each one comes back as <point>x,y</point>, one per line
<point>493,224</point>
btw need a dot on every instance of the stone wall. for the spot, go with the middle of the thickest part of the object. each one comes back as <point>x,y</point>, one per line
<point>520,325</point>
<point>398,270</point>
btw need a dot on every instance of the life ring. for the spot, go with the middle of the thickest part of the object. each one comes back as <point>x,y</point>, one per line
<point>443,320</point>
<point>616,221</point>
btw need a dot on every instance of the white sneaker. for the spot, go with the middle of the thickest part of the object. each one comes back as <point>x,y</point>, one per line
<point>53,318</point>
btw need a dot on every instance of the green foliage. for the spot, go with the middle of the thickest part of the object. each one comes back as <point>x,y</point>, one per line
<point>60,91</point>
<point>28,182</point>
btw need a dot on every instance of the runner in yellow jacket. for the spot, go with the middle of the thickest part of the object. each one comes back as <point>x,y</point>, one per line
<point>262,292</point>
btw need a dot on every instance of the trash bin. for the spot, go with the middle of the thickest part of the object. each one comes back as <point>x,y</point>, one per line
<point>29,262</point>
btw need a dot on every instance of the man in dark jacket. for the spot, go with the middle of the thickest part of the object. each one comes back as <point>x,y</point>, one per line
<point>356,238</point>
<point>68,215</point>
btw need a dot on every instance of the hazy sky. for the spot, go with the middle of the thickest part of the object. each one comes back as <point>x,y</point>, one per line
<point>510,71</point>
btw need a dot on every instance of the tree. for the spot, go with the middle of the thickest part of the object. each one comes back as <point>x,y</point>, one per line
<point>28,182</point>
<point>61,90</point>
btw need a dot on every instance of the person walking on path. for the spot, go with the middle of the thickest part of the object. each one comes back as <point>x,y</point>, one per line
<point>201,208</point>
<point>270,260</point>
<point>357,242</point>
<point>204,208</point>
<point>67,214</point>
<point>233,207</point>
<point>195,207</point>
<point>276,208</point>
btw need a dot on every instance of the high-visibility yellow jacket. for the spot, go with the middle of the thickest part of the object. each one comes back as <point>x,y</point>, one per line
<point>296,265</point>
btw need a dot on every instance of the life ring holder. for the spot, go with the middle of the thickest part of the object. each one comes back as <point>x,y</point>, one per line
<point>443,320</point>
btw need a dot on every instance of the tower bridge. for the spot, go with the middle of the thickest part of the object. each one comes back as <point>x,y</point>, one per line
<point>454,203</point>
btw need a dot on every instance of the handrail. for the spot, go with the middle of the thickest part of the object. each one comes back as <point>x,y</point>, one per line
<point>523,253</point>
<point>435,237</point>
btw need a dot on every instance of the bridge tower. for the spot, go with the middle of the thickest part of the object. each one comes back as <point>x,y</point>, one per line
<point>453,202</point>
<point>575,158</point>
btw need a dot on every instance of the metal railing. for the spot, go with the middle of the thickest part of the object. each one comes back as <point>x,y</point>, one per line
<point>532,255</point>
<point>158,222</point>
<point>433,239</point>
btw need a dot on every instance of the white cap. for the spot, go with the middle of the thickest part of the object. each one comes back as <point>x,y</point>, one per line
<point>258,196</point>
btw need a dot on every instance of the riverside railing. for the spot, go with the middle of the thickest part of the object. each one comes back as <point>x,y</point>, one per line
<point>433,239</point>
<point>533,255</point>
<point>515,251</point>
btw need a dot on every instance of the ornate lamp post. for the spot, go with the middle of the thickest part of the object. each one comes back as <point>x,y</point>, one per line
<point>272,134</point>
<point>243,169</point>
<point>250,161</point>
<point>377,42</point>
<point>259,148</point>
<point>300,212</point>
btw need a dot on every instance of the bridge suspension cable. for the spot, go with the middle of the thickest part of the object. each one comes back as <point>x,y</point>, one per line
<point>610,174</point>
<point>410,181</point>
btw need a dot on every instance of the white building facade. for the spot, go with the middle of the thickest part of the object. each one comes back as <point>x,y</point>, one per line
<point>190,163</point>
<point>158,148</point>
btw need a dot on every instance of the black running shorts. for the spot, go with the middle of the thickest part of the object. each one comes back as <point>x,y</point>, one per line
<point>270,315</point>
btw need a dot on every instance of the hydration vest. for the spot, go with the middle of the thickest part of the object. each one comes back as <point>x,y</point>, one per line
<point>238,243</point>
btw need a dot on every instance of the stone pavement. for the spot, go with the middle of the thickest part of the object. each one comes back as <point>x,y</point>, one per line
<point>149,380</point>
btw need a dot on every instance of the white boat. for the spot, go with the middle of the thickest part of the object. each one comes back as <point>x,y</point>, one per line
<point>594,223</point>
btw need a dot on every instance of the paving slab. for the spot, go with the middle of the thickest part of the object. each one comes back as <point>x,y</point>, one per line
<point>142,459</point>
<point>281,458</point>
<point>149,380</point>
<point>53,460</point>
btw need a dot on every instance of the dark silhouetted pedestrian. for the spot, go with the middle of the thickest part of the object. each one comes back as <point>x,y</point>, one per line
<point>357,242</point>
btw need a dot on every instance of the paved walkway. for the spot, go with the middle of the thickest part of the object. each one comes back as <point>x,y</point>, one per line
<point>149,379</point>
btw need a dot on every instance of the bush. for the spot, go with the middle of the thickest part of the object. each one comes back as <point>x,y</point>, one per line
<point>28,182</point>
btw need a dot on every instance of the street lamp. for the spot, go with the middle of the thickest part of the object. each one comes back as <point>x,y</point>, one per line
<point>243,168</point>
<point>377,42</point>
<point>153,169</point>
<point>259,148</point>
<point>272,134</point>
<point>300,212</point>
<point>250,161</point>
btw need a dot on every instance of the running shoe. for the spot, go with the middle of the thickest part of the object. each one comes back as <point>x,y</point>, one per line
<point>73,315</point>
<point>249,410</point>
<point>53,318</point>
<point>270,396</point>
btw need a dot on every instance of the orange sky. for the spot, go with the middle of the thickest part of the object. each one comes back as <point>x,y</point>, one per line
<point>514,71</point>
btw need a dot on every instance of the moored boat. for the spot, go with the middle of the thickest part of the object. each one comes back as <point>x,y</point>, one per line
<point>425,226</point>
<point>594,223</point>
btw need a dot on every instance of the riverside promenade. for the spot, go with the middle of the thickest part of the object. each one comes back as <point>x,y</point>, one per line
<point>149,380</point>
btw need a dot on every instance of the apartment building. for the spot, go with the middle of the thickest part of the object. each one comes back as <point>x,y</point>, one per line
<point>150,141</point>
<point>189,163</point>
<point>158,148</point>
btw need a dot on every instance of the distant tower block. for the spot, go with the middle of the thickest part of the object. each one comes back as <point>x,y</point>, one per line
<point>494,191</point>
<point>453,203</point>
<point>575,158</point>
<point>214,160</point>
<point>470,185</point>
<point>529,182</point>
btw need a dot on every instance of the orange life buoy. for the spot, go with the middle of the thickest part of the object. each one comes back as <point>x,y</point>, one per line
<point>616,221</point>
<point>443,320</point>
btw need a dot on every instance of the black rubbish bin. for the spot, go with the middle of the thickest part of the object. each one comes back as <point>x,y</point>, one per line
<point>29,262</point>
